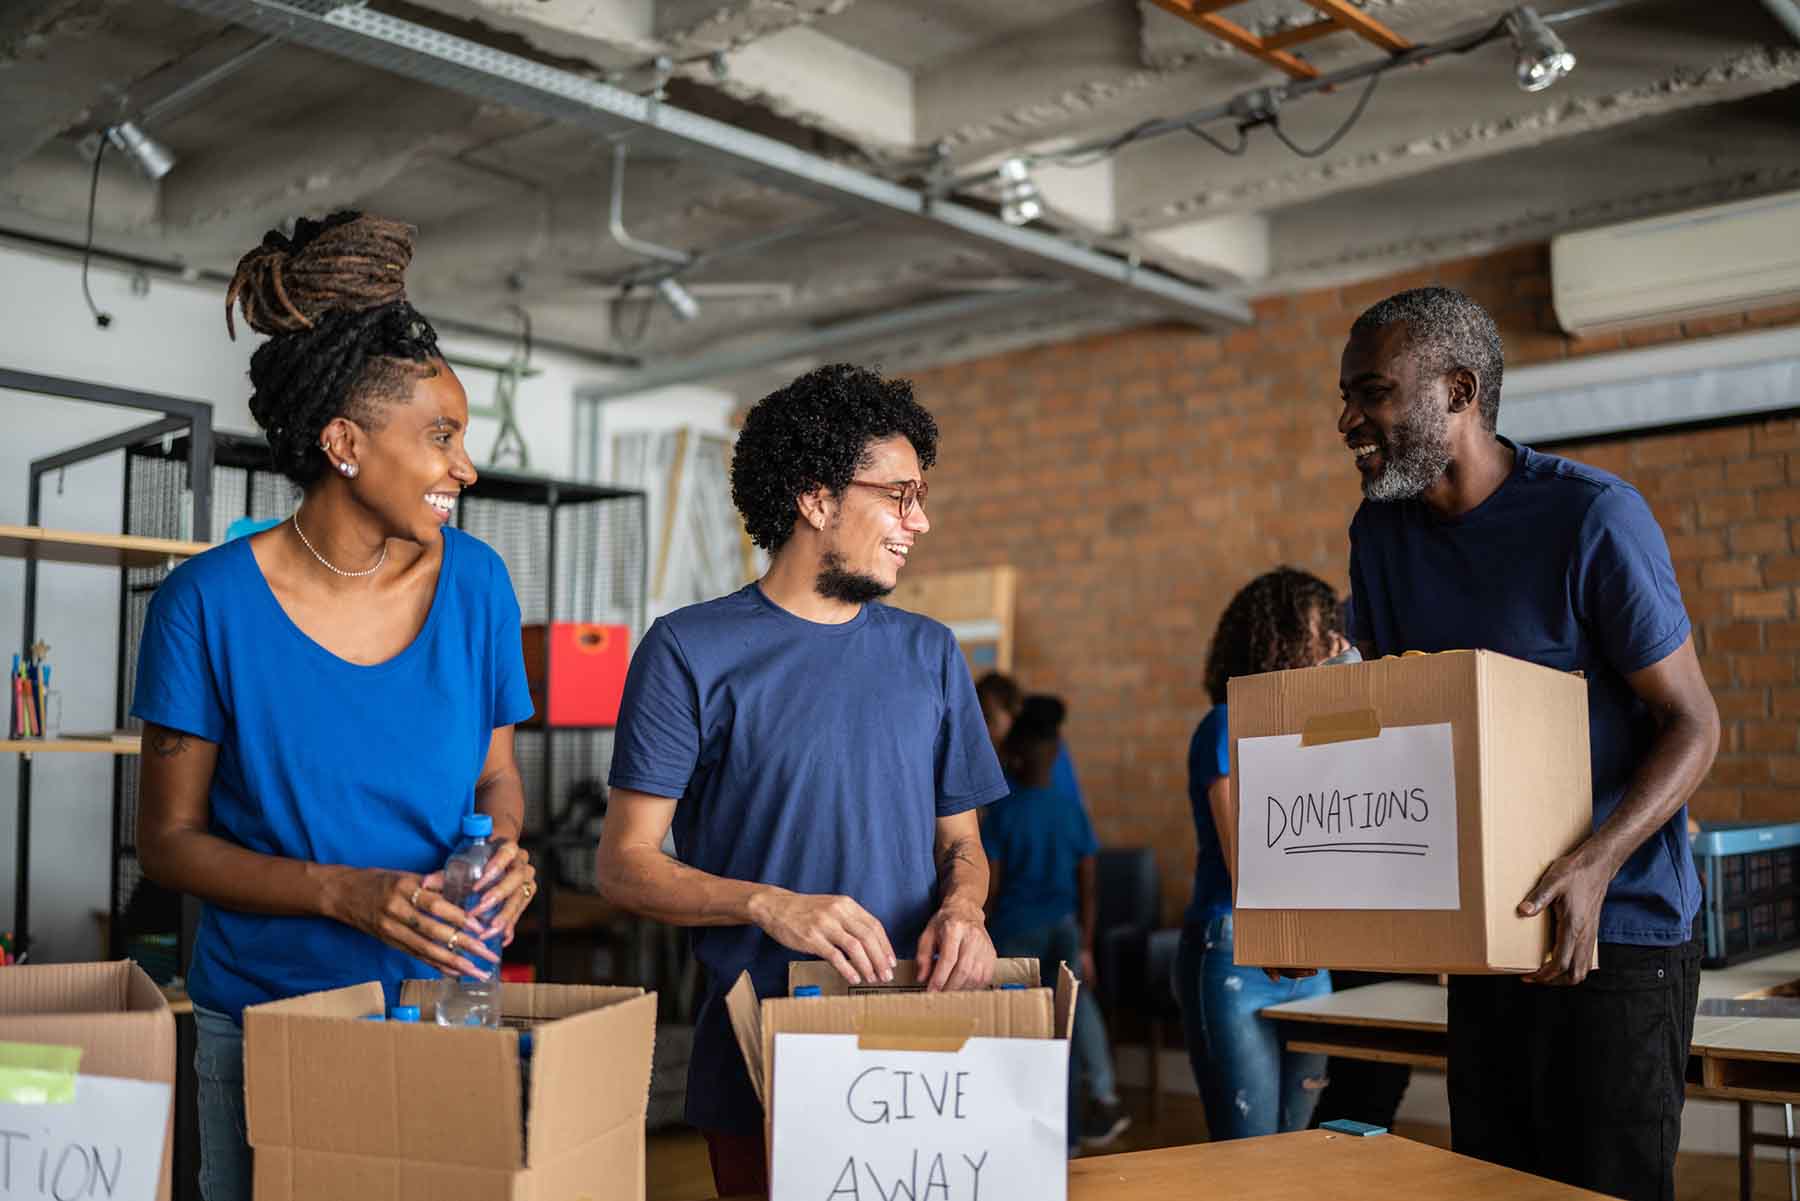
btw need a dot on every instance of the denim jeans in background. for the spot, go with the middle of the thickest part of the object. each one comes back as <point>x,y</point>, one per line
<point>224,1143</point>
<point>1248,1083</point>
<point>1089,1054</point>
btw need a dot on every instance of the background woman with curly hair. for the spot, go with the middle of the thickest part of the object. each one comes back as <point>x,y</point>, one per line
<point>819,755</point>
<point>325,701</point>
<point>1248,1083</point>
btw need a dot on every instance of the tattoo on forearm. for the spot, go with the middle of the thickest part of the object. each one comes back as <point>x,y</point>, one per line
<point>168,743</point>
<point>953,854</point>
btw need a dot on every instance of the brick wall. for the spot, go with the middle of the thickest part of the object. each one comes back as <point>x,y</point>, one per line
<point>1136,480</point>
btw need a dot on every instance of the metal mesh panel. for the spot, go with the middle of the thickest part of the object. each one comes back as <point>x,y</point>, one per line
<point>520,533</point>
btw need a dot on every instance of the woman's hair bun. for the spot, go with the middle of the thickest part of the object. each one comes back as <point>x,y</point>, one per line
<point>347,262</point>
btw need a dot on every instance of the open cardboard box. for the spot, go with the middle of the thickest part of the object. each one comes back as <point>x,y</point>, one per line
<point>340,1108</point>
<point>1392,814</point>
<point>893,1084</point>
<point>104,1134</point>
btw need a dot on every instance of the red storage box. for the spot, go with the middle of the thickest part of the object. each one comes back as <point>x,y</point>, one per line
<point>587,672</point>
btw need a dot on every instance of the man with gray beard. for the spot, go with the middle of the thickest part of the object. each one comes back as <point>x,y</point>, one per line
<point>1466,540</point>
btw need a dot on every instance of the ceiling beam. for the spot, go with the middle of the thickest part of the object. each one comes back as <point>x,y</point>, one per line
<point>1197,14</point>
<point>443,60</point>
<point>1362,24</point>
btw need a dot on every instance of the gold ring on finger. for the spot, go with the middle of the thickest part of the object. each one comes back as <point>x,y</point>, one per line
<point>530,890</point>
<point>455,938</point>
<point>415,896</point>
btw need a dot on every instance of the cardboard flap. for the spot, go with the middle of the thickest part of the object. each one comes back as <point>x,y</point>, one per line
<point>824,977</point>
<point>745,1011</point>
<point>590,1072</point>
<point>918,1032</point>
<point>1351,725</point>
<point>1067,989</point>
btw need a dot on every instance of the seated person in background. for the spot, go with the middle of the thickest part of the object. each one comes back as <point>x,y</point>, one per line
<point>1042,902</point>
<point>1248,1083</point>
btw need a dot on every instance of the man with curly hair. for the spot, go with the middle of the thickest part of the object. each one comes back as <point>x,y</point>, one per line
<point>819,755</point>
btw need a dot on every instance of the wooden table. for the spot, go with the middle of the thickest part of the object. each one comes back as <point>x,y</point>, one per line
<point>1750,1060</point>
<point>1306,1166</point>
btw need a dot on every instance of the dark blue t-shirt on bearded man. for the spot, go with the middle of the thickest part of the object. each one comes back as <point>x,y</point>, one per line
<point>1565,566</point>
<point>814,757</point>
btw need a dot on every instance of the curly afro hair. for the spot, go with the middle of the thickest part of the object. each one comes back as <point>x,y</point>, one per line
<point>342,337</point>
<point>1269,626</point>
<point>815,433</point>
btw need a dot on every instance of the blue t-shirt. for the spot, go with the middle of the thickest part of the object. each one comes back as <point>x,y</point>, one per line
<point>1037,836</point>
<point>1062,776</point>
<point>1209,759</point>
<point>814,757</point>
<point>325,760</point>
<point>1563,566</point>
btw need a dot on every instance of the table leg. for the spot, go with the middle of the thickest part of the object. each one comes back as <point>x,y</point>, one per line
<point>1746,1148</point>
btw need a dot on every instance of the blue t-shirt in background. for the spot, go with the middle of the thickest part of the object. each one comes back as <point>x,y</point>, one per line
<point>1037,836</point>
<point>1209,759</point>
<point>1564,566</point>
<point>1062,776</point>
<point>325,760</point>
<point>813,757</point>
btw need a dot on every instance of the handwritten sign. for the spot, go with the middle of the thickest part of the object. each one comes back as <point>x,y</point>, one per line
<point>987,1123</point>
<point>105,1145</point>
<point>1365,824</point>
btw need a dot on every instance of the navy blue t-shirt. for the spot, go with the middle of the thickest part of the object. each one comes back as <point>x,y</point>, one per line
<point>326,760</point>
<point>1562,566</point>
<point>1209,759</point>
<point>814,757</point>
<point>1037,836</point>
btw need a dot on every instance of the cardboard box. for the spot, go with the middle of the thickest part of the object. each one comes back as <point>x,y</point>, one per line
<point>892,1091</point>
<point>586,666</point>
<point>1393,814</point>
<point>342,1108</point>
<point>115,1132</point>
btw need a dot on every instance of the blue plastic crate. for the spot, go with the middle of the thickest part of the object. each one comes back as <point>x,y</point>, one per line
<point>1750,890</point>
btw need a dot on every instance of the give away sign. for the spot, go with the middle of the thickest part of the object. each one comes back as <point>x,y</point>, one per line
<point>1364,824</point>
<point>986,1123</point>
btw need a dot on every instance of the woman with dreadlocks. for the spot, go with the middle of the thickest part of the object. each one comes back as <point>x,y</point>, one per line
<point>324,701</point>
<point>1248,1084</point>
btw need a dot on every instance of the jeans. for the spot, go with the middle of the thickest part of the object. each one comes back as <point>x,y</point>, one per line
<point>1089,1055</point>
<point>219,1070</point>
<point>1248,1083</point>
<point>1585,1084</point>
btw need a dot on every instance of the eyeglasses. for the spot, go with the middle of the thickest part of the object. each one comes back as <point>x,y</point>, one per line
<point>907,492</point>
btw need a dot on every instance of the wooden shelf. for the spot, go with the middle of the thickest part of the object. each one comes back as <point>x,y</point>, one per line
<point>89,746</point>
<point>104,550</point>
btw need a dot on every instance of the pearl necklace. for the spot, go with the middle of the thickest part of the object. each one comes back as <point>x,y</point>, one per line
<point>329,566</point>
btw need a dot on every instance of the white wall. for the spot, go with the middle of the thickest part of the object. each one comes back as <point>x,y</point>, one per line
<point>171,341</point>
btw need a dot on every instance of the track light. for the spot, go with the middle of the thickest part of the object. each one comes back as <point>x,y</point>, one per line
<point>1019,200</point>
<point>1543,59</point>
<point>150,156</point>
<point>678,298</point>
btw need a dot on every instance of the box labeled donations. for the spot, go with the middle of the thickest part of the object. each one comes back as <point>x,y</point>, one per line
<point>882,1092</point>
<point>1393,814</point>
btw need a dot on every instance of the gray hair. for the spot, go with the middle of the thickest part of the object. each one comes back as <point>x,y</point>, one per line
<point>1445,330</point>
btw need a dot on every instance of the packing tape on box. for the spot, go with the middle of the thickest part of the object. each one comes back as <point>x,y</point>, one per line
<point>893,1033</point>
<point>1350,725</point>
<point>36,1074</point>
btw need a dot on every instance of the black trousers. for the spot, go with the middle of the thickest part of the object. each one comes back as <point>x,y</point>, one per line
<point>1585,1084</point>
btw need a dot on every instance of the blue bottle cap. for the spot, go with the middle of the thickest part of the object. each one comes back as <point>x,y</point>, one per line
<point>404,1013</point>
<point>806,990</point>
<point>1011,987</point>
<point>525,1043</point>
<point>373,1017</point>
<point>477,825</point>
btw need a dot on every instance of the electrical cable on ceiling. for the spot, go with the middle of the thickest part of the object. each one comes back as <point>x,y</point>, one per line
<point>1243,140</point>
<point>87,251</point>
<point>1362,102</point>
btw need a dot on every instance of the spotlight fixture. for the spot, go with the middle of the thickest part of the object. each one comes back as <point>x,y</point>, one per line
<point>678,298</point>
<point>1019,200</point>
<point>150,156</point>
<point>1543,59</point>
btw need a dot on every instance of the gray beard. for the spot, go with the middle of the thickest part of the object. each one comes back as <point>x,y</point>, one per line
<point>1417,457</point>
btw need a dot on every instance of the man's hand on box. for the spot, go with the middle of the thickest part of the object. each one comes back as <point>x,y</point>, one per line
<point>1572,889</point>
<point>955,951</point>
<point>834,928</point>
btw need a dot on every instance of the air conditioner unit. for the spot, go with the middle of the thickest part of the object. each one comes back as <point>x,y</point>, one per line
<point>1723,259</point>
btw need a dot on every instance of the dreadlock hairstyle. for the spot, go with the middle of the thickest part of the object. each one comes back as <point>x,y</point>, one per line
<point>342,337</point>
<point>1277,621</point>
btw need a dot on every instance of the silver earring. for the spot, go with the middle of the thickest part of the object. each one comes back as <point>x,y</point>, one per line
<point>349,469</point>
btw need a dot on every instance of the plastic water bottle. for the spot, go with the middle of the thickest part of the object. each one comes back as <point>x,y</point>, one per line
<point>469,1000</point>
